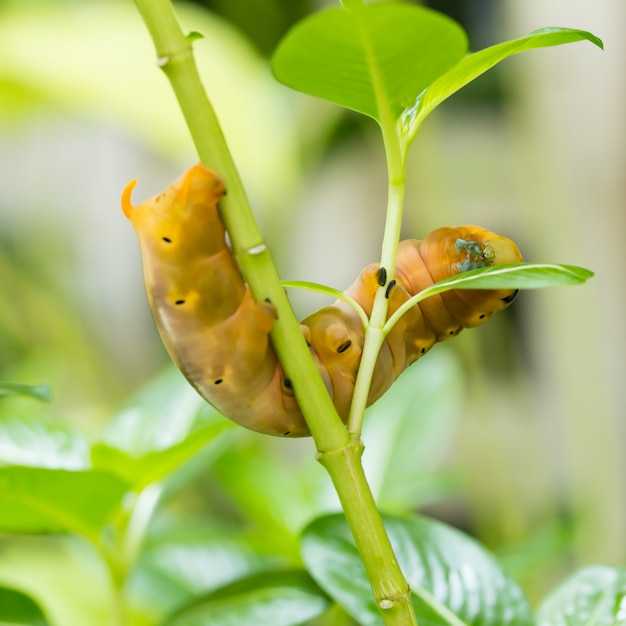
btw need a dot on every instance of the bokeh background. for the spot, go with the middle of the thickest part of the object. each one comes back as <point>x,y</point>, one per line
<point>530,456</point>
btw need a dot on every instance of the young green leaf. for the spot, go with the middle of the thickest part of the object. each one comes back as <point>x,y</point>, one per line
<point>375,59</point>
<point>592,595</point>
<point>38,392</point>
<point>40,500</point>
<point>513,276</point>
<point>454,581</point>
<point>473,65</point>
<point>287,598</point>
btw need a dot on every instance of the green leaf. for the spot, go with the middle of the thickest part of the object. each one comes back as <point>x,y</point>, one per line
<point>64,575</point>
<point>162,428</point>
<point>17,608</point>
<point>593,595</point>
<point>506,276</point>
<point>181,565</point>
<point>200,563</point>
<point>409,429</point>
<point>515,276</point>
<point>42,443</point>
<point>39,500</point>
<point>473,65</point>
<point>288,598</point>
<point>273,485</point>
<point>375,59</point>
<point>159,416</point>
<point>38,392</point>
<point>155,466</point>
<point>453,579</point>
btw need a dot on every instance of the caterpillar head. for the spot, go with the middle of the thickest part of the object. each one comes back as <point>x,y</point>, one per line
<point>189,206</point>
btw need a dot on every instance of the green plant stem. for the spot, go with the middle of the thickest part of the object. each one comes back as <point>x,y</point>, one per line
<point>337,451</point>
<point>374,335</point>
<point>390,589</point>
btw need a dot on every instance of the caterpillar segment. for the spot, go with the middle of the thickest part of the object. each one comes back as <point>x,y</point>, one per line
<point>218,335</point>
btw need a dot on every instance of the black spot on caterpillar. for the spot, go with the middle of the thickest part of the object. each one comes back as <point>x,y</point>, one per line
<point>344,346</point>
<point>390,286</point>
<point>382,276</point>
<point>222,329</point>
<point>508,299</point>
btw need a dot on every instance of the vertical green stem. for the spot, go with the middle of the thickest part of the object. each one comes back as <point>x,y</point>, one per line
<point>374,337</point>
<point>337,451</point>
<point>390,589</point>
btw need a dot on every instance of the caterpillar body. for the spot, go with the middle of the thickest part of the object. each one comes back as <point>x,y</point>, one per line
<point>218,335</point>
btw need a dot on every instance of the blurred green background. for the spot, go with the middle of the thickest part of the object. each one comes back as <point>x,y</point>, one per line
<point>530,458</point>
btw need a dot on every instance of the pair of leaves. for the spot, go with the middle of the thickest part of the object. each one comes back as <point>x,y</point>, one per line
<point>54,480</point>
<point>454,581</point>
<point>210,574</point>
<point>392,59</point>
<point>45,466</point>
<point>513,276</point>
<point>396,63</point>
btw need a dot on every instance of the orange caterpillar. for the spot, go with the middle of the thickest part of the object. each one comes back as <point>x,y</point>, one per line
<point>218,335</point>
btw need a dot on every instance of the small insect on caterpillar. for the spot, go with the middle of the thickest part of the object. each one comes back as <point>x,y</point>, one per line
<point>218,335</point>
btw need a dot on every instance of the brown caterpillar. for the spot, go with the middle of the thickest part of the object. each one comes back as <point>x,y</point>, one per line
<point>218,335</point>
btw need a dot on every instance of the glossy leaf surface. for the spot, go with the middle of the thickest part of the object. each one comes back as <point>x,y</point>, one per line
<point>473,65</point>
<point>594,595</point>
<point>514,276</point>
<point>268,599</point>
<point>392,59</point>
<point>375,60</point>
<point>453,579</point>
<point>517,276</point>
